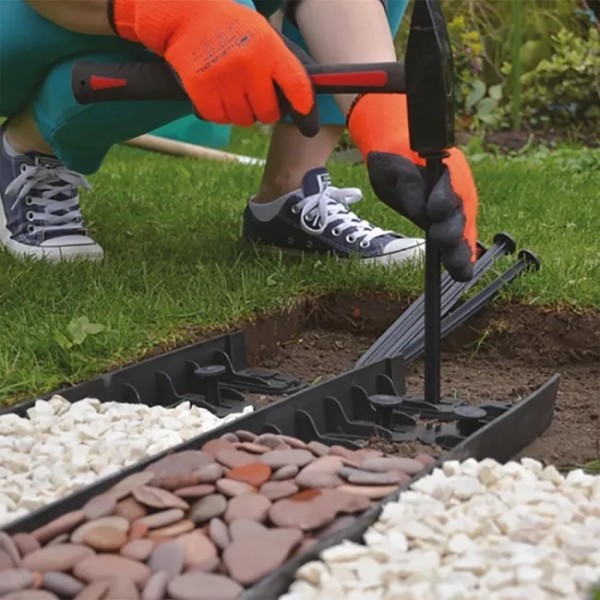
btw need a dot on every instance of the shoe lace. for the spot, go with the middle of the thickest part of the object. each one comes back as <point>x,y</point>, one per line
<point>53,192</point>
<point>332,206</point>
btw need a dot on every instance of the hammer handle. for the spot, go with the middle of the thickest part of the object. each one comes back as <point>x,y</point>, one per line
<point>106,82</point>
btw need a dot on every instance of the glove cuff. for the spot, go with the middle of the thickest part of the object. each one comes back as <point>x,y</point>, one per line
<point>379,123</point>
<point>121,16</point>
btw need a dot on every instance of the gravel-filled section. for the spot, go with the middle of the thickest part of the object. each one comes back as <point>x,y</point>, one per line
<point>201,524</point>
<point>62,447</point>
<point>471,531</point>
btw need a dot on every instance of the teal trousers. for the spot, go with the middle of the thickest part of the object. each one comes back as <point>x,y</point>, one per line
<point>36,58</point>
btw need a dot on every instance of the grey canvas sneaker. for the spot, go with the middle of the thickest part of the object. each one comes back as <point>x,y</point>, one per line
<point>40,215</point>
<point>317,218</point>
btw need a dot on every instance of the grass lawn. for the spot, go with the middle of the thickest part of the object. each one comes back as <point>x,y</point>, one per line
<point>171,232</point>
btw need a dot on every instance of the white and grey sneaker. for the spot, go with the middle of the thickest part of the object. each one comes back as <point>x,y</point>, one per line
<point>317,218</point>
<point>40,215</point>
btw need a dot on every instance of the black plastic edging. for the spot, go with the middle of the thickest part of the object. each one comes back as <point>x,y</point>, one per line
<point>523,423</point>
<point>181,374</point>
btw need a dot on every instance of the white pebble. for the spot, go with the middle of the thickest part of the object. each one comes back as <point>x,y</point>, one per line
<point>472,531</point>
<point>64,446</point>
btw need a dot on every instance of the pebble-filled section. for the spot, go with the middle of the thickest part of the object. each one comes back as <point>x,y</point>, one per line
<point>471,531</point>
<point>201,524</point>
<point>62,447</point>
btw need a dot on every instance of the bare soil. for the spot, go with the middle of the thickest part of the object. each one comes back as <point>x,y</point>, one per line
<point>503,354</point>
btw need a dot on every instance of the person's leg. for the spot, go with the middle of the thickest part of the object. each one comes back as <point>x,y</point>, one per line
<point>332,31</point>
<point>49,139</point>
<point>361,35</point>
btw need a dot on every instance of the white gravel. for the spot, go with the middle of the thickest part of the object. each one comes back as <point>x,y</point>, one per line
<point>471,531</point>
<point>62,447</point>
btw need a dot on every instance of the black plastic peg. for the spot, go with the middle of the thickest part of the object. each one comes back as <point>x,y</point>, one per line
<point>207,378</point>
<point>468,418</point>
<point>384,405</point>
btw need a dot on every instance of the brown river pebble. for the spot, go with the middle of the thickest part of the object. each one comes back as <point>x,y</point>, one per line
<point>245,528</point>
<point>61,557</point>
<point>6,562</point>
<point>196,548</point>
<point>287,472</point>
<point>275,490</point>
<point>31,595</point>
<point>124,487</point>
<point>218,533</point>
<point>251,558</point>
<point>209,473</point>
<point>270,440</point>
<point>281,458</point>
<point>138,549</point>
<point>94,591</point>
<point>8,545</point>
<point>61,584</point>
<point>247,506</point>
<point>167,557</point>
<point>195,491</point>
<point>156,586</point>
<point>410,466</point>
<point>63,524</point>
<point>100,506</point>
<point>179,463</point>
<point>172,530</point>
<point>254,474</point>
<point>138,530</point>
<point>25,543</point>
<point>206,508</point>
<point>162,518</point>
<point>245,436</point>
<point>120,523</point>
<point>121,587</point>
<point>158,498</point>
<point>203,586</point>
<point>232,458</point>
<point>130,509</point>
<point>213,447</point>
<point>105,566</point>
<point>15,579</point>
<point>105,539</point>
<point>230,488</point>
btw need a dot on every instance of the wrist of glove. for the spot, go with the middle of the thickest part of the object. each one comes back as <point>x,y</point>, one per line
<point>397,175</point>
<point>233,65</point>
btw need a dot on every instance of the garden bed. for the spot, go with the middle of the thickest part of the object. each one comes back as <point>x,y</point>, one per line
<point>501,355</point>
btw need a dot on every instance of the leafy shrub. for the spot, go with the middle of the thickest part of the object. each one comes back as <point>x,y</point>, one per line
<point>476,104</point>
<point>564,89</point>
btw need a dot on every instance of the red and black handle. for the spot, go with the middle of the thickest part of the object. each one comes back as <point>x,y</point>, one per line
<point>105,82</point>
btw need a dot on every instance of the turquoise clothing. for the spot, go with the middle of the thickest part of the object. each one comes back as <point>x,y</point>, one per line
<point>36,58</point>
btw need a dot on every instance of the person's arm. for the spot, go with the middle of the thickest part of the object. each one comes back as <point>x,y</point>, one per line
<point>82,16</point>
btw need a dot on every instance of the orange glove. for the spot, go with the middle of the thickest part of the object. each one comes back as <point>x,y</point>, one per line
<point>228,57</point>
<point>378,123</point>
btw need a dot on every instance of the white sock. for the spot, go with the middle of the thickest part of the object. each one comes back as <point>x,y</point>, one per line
<point>265,211</point>
<point>8,148</point>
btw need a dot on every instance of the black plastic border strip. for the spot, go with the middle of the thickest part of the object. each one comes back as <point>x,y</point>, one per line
<point>519,426</point>
<point>141,375</point>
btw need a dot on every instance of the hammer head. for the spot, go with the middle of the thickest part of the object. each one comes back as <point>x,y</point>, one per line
<point>429,69</point>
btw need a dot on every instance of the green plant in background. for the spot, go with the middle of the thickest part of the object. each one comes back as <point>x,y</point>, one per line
<point>565,88</point>
<point>476,103</point>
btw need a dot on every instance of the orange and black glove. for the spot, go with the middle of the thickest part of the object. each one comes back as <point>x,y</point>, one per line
<point>231,62</point>
<point>378,124</point>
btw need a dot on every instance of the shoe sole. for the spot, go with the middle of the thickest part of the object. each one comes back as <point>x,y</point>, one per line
<point>415,254</point>
<point>88,252</point>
